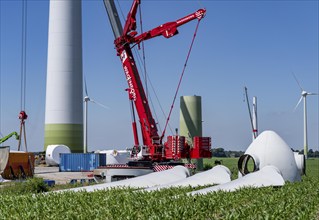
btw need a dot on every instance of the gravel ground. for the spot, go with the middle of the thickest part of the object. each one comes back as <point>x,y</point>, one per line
<point>52,173</point>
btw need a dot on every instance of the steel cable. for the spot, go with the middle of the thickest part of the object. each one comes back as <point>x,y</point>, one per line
<point>23,55</point>
<point>181,77</point>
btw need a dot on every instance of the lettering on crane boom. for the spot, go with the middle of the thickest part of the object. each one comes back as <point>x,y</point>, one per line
<point>185,19</point>
<point>130,84</point>
<point>128,76</point>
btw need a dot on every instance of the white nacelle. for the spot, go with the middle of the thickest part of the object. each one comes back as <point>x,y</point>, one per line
<point>270,149</point>
<point>273,164</point>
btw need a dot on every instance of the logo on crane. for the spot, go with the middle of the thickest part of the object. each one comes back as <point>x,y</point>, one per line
<point>123,56</point>
<point>130,84</point>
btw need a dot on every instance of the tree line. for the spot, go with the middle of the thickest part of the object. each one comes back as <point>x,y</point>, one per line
<point>221,152</point>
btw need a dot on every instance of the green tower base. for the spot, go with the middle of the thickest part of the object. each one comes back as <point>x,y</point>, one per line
<point>70,135</point>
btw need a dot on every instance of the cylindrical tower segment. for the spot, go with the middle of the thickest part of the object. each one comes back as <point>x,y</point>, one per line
<point>190,117</point>
<point>191,121</point>
<point>64,87</point>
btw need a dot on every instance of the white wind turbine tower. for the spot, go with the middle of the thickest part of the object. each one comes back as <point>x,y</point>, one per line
<point>304,95</point>
<point>85,129</point>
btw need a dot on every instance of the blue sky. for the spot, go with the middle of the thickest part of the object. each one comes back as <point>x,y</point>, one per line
<point>257,44</point>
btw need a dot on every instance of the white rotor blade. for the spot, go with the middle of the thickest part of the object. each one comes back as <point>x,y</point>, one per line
<point>85,87</point>
<point>267,176</point>
<point>217,175</point>
<point>297,81</point>
<point>311,93</point>
<point>144,181</point>
<point>298,103</point>
<point>104,106</point>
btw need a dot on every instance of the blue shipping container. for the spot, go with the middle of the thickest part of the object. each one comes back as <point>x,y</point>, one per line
<point>102,158</point>
<point>77,162</point>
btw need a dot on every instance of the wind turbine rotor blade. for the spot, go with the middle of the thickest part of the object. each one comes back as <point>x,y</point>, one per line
<point>85,87</point>
<point>311,93</point>
<point>267,176</point>
<point>298,103</point>
<point>104,106</point>
<point>297,81</point>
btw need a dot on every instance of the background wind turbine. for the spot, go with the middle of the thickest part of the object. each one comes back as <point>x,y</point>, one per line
<point>86,100</point>
<point>304,95</point>
<point>252,115</point>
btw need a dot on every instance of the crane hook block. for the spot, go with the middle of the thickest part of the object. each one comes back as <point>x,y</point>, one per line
<point>23,116</point>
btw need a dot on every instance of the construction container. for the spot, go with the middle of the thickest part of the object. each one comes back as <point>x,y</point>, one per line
<point>81,162</point>
<point>115,156</point>
<point>20,165</point>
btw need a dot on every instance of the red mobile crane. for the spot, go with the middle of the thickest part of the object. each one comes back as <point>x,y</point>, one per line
<point>152,149</point>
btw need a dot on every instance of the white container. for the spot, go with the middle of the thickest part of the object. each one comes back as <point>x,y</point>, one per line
<point>52,154</point>
<point>115,156</point>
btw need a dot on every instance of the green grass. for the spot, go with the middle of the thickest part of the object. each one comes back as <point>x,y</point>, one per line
<point>298,200</point>
<point>231,163</point>
<point>312,167</point>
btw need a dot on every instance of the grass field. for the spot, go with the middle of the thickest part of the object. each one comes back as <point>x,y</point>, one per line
<point>292,201</point>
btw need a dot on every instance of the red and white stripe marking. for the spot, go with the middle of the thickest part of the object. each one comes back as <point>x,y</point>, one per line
<point>156,168</point>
